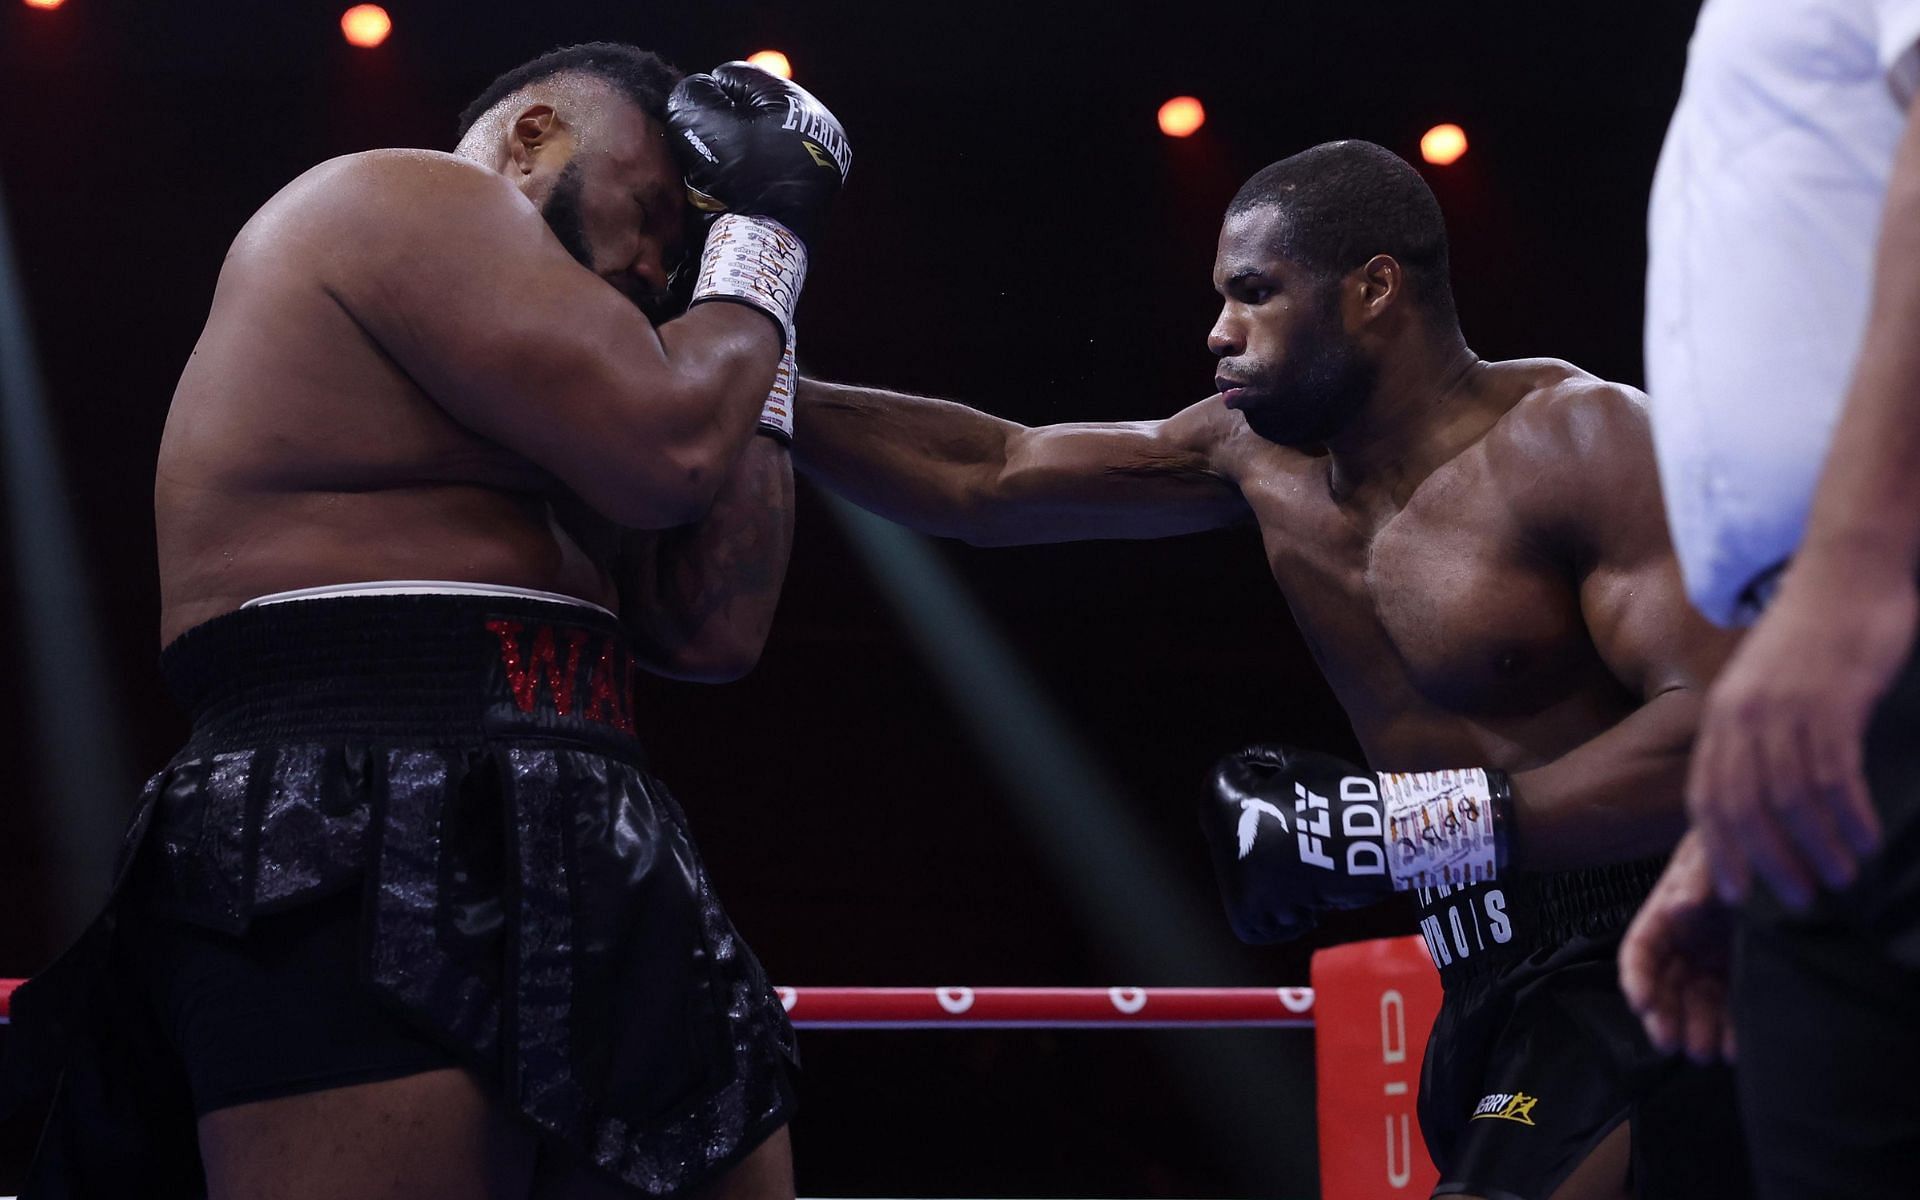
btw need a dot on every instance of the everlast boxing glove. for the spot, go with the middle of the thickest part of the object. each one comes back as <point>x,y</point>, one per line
<point>1294,833</point>
<point>752,143</point>
<point>765,154</point>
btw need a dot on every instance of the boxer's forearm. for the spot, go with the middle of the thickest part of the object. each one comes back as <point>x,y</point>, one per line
<point>1614,798</point>
<point>1866,510</point>
<point>700,599</point>
<point>928,464</point>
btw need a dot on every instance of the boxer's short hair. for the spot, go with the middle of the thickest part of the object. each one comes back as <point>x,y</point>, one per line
<point>1344,202</point>
<point>641,75</point>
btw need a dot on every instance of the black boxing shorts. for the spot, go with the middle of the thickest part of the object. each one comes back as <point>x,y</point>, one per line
<point>1535,1057</point>
<point>408,832</point>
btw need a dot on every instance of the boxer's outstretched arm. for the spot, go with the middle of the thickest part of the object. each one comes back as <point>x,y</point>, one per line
<point>955,471</point>
<point>1619,796</point>
<point>700,599</point>
<point>455,275</point>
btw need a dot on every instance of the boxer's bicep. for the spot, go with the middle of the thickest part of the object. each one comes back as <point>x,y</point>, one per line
<point>1648,634</point>
<point>1596,509</point>
<point>1632,595</point>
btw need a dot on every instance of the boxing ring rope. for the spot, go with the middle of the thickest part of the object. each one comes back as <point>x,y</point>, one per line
<point>840,1008</point>
<point>1021,1007</point>
<point>1047,1008</point>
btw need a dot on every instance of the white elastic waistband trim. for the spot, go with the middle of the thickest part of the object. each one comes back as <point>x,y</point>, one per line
<point>419,587</point>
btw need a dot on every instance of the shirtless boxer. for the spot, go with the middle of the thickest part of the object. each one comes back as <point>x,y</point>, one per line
<point>408,917</point>
<point>1476,554</point>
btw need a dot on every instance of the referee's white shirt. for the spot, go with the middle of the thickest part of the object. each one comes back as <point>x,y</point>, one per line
<point>1761,234</point>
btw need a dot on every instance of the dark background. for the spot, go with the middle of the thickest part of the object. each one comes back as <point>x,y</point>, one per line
<point>1016,234</point>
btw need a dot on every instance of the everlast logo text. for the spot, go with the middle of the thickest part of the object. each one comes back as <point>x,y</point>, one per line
<point>571,672</point>
<point>812,123</point>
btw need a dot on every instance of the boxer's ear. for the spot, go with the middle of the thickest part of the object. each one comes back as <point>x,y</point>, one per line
<point>533,132</point>
<point>1373,290</point>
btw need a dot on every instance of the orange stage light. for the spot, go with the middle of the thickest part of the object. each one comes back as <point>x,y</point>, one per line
<point>1443,145</point>
<point>45,3</point>
<point>772,62</point>
<point>366,25</point>
<point>1180,116</point>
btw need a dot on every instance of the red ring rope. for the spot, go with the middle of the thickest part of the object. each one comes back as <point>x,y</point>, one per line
<point>1023,1008</point>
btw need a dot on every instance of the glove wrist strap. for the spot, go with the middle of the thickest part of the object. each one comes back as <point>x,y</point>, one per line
<point>1442,827</point>
<point>776,415</point>
<point>755,261</point>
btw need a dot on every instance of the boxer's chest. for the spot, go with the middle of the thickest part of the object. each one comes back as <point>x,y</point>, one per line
<point>1442,608</point>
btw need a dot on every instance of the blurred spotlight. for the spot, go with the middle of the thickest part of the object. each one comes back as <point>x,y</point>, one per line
<point>45,3</point>
<point>1181,116</point>
<point>1443,145</point>
<point>366,25</point>
<point>1072,809</point>
<point>772,62</point>
<point>62,666</point>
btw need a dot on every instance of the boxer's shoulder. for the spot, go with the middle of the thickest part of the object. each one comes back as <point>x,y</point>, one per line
<point>1231,446</point>
<point>361,207</point>
<point>1573,447</point>
<point>1564,418</point>
<point>400,172</point>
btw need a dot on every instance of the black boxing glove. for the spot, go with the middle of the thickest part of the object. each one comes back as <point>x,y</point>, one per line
<point>761,151</point>
<point>1294,833</point>
<point>752,143</point>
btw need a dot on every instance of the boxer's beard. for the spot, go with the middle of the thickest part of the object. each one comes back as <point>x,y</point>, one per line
<point>563,215</point>
<point>1322,381</point>
<point>562,211</point>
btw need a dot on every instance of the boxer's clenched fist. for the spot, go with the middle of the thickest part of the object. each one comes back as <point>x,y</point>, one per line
<point>1295,833</point>
<point>752,143</point>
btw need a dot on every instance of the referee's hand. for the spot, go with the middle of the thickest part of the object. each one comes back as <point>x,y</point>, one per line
<point>1675,958</point>
<point>1776,788</point>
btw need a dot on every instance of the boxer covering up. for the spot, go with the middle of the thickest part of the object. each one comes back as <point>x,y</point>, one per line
<point>464,772</point>
<point>408,915</point>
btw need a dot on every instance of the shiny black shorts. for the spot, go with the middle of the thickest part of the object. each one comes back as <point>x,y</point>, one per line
<point>408,832</point>
<point>281,1009</point>
<point>1535,1057</point>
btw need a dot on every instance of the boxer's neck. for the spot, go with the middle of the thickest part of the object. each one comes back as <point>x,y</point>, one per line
<point>1425,407</point>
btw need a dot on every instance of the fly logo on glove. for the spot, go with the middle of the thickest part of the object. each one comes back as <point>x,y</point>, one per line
<point>1250,813</point>
<point>1363,836</point>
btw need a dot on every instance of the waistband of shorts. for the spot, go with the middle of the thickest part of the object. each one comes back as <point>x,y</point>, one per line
<point>1552,910</point>
<point>1582,902</point>
<point>409,668</point>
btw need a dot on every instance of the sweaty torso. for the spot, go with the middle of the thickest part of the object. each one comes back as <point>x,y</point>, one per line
<point>1450,629</point>
<point>297,454</point>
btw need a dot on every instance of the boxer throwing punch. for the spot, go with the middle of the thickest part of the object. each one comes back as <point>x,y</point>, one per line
<point>1476,554</point>
<point>408,916</point>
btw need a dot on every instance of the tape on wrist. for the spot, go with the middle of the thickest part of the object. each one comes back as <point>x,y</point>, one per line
<point>756,261</point>
<point>776,415</point>
<point>1440,828</point>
